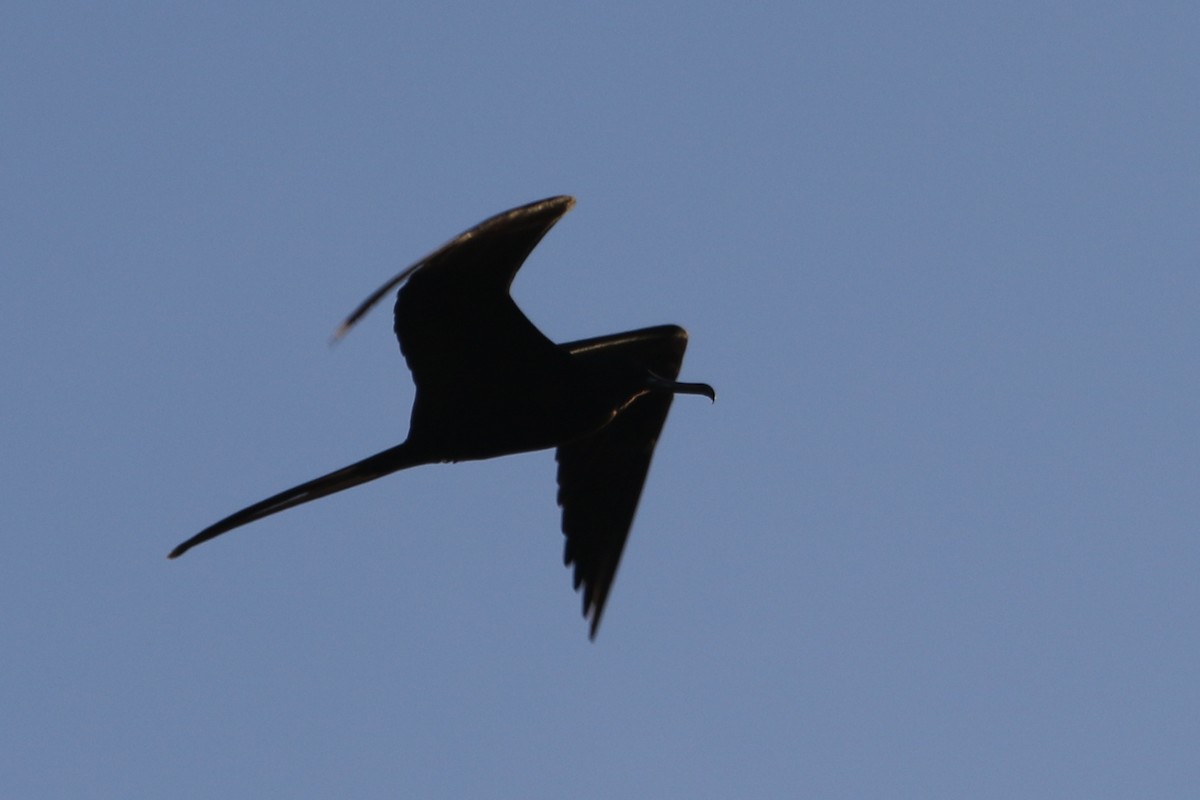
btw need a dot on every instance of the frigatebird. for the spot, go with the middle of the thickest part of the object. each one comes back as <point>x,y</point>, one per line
<point>489,383</point>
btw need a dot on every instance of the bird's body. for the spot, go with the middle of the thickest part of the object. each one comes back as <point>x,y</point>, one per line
<point>489,384</point>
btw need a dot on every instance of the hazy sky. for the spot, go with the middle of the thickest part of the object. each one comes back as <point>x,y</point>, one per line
<point>937,538</point>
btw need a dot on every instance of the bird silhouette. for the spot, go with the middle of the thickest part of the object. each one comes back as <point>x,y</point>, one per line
<point>489,383</point>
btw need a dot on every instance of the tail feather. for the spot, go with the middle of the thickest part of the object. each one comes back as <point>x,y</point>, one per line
<point>376,466</point>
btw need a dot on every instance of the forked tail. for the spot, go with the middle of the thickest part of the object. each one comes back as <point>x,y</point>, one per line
<point>391,460</point>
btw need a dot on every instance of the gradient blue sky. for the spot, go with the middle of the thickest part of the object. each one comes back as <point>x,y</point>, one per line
<point>936,539</point>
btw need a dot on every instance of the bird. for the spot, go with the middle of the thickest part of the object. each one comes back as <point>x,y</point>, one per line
<point>489,383</point>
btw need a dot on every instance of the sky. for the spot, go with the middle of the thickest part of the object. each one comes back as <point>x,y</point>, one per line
<point>937,537</point>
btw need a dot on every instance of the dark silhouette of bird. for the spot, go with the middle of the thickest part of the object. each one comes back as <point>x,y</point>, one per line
<point>488,383</point>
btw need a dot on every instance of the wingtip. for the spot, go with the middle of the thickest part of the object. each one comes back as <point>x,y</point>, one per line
<point>593,614</point>
<point>566,201</point>
<point>339,333</point>
<point>545,212</point>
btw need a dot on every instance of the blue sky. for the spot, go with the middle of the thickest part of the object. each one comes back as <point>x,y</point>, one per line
<point>936,538</point>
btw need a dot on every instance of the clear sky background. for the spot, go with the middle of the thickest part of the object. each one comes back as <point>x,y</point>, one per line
<point>937,538</point>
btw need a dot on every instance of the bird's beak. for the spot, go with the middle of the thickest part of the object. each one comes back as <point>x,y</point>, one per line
<point>657,384</point>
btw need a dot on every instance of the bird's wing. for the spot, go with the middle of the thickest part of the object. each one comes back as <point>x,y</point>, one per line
<point>458,327</point>
<point>600,477</point>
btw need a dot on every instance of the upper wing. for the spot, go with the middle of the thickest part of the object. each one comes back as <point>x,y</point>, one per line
<point>600,477</point>
<point>458,327</point>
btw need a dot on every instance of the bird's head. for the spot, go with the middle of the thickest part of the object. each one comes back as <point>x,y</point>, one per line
<point>638,381</point>
<point>655,383</point>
